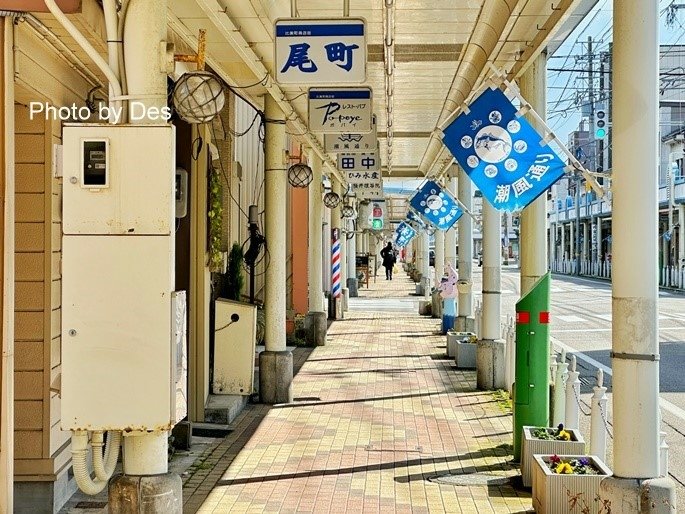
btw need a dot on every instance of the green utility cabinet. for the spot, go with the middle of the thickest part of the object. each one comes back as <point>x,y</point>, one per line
<point>531,386</point>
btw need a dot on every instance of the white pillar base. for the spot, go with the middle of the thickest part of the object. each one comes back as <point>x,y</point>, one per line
<point>490,364</point>
<point>650,496</point>
<point>146,453</point>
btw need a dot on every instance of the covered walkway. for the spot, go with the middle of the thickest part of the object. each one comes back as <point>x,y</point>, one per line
<point>381,422</point>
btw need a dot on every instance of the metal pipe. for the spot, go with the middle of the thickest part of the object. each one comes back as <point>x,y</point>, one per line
<point>83,43</point>
<point>7,370</point>
<point>63,50</point>
<point>113,47</point>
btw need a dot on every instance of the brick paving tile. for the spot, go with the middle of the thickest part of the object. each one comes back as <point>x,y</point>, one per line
<point>378,412</point>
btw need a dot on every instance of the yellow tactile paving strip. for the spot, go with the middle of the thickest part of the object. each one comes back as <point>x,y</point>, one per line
<point>377,412</point>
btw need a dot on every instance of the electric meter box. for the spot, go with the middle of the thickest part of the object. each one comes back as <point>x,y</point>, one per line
<point>118,179</point>
<point>120,366</point>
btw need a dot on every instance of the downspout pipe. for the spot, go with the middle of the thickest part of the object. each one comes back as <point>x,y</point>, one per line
<point>113,46</point>
<point>87,47</point>
<point>489,28</point>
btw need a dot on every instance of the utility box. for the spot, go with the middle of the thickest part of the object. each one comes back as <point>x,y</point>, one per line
<point>117,180</point>
<point>120,369</point>
<point>531,386</point>
<point>235,330</point>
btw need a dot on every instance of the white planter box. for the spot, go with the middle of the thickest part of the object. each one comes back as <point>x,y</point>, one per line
<point>533,446</point>
<point>465,355</point>
<point>551,492</point>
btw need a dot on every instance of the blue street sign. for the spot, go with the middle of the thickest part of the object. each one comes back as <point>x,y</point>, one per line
<point>501,153</point>
<point>436,206</point>
<point>403,234</point>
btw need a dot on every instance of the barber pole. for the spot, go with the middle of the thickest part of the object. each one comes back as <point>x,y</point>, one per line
<point>335,263</point>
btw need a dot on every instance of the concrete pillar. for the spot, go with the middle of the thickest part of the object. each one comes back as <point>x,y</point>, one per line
<point>600,252</point>
<point>409,252</point>
<point>552,243</point>
<point>275,363</point>
<point>571,243</point>
<point>451,234</point>
<point>425,264</point>
<point>465,319</point>
<point>352,262</point>
<point>439,256</point>
<point>635,339</point>
<point>563,242</point>
<point>586,241</point>
<point>533,230</point>
<point>490,355</point>
<point>681,240</point>
<point>315,321</point>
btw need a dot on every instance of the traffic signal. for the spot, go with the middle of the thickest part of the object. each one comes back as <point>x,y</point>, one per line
<point>377,217</point>
<point>601,123</point>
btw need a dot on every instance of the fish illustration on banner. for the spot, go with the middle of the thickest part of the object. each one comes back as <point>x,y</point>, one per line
<point>436,205</point>
<point>501,152</point>
<point>403,234</point>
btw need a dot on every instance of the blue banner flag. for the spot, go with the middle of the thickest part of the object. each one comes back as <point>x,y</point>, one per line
<point>414,221</point>
<point>501,153</point>
<point>436,206</point>
<point>403,234</point>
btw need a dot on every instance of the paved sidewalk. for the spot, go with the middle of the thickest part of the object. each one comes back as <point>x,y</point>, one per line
<point>381,423</point>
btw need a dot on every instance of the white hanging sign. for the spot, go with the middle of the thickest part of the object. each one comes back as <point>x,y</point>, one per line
<point>320,51</point>
<point>336,143</point>
<point>340,110</point>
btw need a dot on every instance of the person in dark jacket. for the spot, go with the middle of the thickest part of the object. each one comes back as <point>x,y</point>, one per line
<point>389,260</point>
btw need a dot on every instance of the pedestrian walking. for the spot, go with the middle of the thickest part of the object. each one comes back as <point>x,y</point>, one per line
<point>389,260</point>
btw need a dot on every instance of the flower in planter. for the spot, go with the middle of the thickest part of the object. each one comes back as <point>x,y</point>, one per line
<point>547,434</point>
<point>579,466</point>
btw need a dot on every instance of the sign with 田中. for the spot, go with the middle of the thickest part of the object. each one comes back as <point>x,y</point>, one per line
<point>336,143</point>
<point>340,110</point>
<point>366,161</point>
<point>502,153</point>
<point>318,51</point>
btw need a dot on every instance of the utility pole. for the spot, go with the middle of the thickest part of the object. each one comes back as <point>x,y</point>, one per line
<point>591,99</point>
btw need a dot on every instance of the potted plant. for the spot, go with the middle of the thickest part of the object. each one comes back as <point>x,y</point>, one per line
<point>462,346</point>
<point>568,483</point>
<point>548,441</point>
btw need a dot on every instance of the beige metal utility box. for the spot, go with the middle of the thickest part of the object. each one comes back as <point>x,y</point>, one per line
<point>120,368</point>
<point>234,347</point>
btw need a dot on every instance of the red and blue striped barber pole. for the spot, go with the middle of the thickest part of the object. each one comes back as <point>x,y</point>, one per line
<point>335,263</point>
